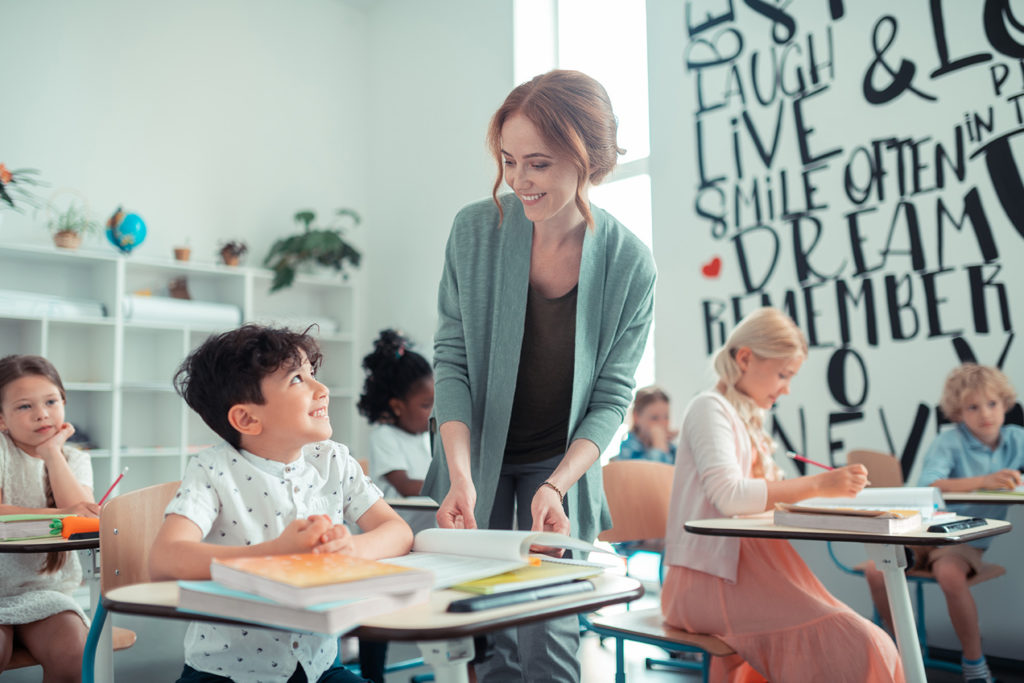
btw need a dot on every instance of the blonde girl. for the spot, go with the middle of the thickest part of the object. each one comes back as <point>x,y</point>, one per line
<point>41,474</point>
<point>757,594</point>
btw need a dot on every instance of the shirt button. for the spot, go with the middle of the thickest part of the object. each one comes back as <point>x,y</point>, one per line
<point>295,645</point>
<point>296,489</point>
<point>287,469</point>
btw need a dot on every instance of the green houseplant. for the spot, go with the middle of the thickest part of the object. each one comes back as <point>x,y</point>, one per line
<point>70,224</point>
<point>325,246</point>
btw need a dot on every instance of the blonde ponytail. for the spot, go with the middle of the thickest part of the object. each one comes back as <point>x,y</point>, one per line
<point>769,333</point>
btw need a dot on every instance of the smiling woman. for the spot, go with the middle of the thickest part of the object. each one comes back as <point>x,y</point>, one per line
<point>527,401</point>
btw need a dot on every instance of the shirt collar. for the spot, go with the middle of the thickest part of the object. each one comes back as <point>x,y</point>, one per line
<point>274,468</point>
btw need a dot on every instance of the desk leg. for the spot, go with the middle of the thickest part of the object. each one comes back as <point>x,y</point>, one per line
<point>891,561</point>
<point>448,658</point>
<point>104,669</point>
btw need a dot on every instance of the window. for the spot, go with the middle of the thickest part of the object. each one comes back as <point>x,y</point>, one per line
<point>606,39</point>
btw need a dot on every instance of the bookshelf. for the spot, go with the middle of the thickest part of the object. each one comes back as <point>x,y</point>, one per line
<point>76,309</point>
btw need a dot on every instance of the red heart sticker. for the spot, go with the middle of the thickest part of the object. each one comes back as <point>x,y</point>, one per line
<point>712,268</point>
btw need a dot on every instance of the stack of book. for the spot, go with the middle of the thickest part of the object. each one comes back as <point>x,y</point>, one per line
<point>321,593</point>
<point>880,510</point>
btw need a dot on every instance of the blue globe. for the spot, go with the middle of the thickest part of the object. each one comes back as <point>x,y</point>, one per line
<point>126,231</point>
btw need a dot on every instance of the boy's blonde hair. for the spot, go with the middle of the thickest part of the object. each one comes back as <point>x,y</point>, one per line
<point>645,397</point>
<point>971,377</point>
<point>769,333</point>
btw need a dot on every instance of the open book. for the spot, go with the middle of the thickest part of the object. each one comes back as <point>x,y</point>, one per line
<point>927,500</point>
<point>211,598</point>
<point>306,579</point>
<point>458,556</point>
<point>847,519</point>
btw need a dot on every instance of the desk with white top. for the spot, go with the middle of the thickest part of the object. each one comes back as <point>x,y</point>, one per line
<point>885,549</point>
<point>445,638</point>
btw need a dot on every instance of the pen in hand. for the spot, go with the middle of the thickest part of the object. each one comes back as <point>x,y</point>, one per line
<point>809,461</point>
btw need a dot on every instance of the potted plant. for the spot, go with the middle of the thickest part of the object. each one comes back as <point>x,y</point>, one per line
<point>324,246</point>
<point>232,251</point>
<point>68,226</point>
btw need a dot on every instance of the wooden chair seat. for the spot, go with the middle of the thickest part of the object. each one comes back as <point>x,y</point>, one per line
<point>647,626</point>
<point>123,638</point>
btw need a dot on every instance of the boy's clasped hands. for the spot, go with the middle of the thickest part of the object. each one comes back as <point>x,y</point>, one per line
<point>316,534</point>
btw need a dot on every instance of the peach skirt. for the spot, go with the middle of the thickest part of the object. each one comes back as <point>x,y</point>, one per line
<point>782,622</point>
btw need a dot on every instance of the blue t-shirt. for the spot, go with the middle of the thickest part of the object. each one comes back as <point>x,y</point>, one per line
<point>956,453</point>
<point>632,448</point>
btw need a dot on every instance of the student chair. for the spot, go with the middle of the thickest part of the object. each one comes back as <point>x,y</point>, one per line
<point>884,471</point>
<point>128,526</point>
<point>638,494</point>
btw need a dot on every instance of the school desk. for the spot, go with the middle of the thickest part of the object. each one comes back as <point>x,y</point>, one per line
<point>445,638</point>
<point>978,497</point>
<point>88,556</point>
<point>885,549</point>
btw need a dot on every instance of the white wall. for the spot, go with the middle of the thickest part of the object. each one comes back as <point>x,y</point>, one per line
<point>437,71</point>
<point>210,120</point>
<point>853,392</point>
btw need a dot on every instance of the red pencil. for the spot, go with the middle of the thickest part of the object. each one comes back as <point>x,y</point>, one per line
<point>119,477</point>
<point>808,460</point>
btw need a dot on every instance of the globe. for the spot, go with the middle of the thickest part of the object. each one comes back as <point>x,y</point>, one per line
<point>126,231</point>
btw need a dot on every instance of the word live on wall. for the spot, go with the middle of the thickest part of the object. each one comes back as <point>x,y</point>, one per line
<point>857,165</point>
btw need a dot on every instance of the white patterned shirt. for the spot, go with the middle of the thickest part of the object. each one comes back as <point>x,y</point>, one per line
<point>237,498</point>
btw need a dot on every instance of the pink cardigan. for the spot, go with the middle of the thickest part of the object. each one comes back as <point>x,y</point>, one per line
<point>712,479</point>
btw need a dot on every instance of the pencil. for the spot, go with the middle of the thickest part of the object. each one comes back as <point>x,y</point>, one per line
<point>808,460</point>
<point>119,477</point>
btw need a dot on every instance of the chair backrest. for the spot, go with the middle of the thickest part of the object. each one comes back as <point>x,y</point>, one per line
<point>638,493</point>
<point>883,468</point>
<point>128,526</point>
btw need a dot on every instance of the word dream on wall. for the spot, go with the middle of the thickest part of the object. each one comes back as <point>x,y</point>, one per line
<point>858,166</point>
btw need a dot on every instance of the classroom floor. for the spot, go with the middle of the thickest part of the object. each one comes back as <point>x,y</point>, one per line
<point>158,656</point>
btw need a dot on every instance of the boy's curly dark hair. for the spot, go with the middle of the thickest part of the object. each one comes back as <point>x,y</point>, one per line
<point>227,369</point>
<point>392,369</point>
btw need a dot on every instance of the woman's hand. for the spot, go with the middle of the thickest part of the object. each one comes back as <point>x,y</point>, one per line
<point>548,515</point>
<point>456,510</point>
<point>843,482</point>
<point>53,447</point>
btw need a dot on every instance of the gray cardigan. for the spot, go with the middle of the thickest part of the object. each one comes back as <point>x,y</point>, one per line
<point>481,310</point>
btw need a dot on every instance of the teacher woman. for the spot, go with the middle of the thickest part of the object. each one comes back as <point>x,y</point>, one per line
<point>544,308</point>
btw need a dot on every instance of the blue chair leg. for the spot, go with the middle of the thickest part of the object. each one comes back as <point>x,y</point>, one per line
<point>91,642</point>
<point>620,660</point>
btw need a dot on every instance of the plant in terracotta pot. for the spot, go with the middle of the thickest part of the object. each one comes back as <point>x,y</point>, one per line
<point>70,224</point>
<point>324,246</point>
<point>231,252</point>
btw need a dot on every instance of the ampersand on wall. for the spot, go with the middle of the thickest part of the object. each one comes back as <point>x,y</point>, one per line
<point>902,77</point>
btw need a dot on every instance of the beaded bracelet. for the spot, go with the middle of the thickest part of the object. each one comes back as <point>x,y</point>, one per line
<point>561,496</point>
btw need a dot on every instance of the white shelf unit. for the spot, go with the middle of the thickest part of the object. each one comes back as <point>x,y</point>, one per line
<point>118,373</point>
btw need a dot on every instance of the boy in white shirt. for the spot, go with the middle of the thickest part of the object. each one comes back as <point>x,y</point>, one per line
<point>278,486</point>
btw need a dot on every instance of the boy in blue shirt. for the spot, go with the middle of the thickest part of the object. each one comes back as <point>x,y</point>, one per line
<point>278,486</point>
<point>980,452</point>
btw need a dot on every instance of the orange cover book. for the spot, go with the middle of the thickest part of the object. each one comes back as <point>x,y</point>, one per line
<point>312,578</point>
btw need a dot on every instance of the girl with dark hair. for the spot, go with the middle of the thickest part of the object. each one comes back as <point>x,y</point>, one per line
<point>398,396</point>
<point>397,399</point>
<point>41,474</point>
